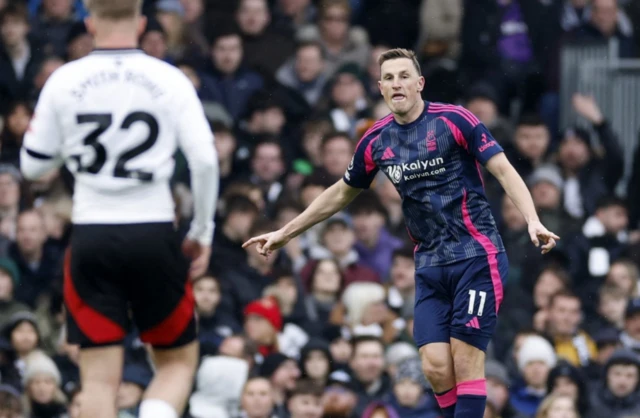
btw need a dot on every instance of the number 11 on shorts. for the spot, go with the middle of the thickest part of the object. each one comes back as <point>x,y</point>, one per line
<point>472,301</point>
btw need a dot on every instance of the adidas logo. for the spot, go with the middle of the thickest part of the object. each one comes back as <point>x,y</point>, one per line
<point>388,154</point>
<point>473,323</point>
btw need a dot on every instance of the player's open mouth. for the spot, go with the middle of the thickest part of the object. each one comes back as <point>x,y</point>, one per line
<point>397,97</point>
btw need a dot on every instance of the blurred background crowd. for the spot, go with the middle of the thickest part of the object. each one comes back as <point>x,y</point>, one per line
<point>324,327</point>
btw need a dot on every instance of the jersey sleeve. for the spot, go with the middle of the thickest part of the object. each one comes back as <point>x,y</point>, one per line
<point>362,168</point>
<point>472,135</point>
<point>197,144</point>
<point>42,145</point>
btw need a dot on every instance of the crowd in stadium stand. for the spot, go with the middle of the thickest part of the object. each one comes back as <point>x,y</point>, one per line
<point>323,327</point>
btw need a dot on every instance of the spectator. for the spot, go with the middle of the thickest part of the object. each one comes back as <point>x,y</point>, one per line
<point>316,362</point>
<point>42,387</point>
<point>226,146</point>
<point>233,84</point>
<point>535,359</point>
<point>567,380</point>
<point>373,76</point>
<point>498,383</point>
<point>367,368</point>
<point>612,304</point>
<point>440,24</point>
<point>602,240</point>
<point>336,150</point>
<point>607,341</point>
<point>20,57</point>
<point>408,397</point>
<point>169,13</point>
<point>291,15</point>
<point>16,124</point>
<point>515,236</point>
<point>265,50</point>
<point>375,245</point>
<point>396,353</point>
<point>305,400</point>
<point>246,282</point>
<point>339,397</point>
<point>268,167</point>
<point>605,23</point>
<point>212,327</point>
<point>263,322</point>
<point>305,72</point>
<point>325,287</point>
<point>348,103</point>
<point>624,275</point>
<point>589,175</point>
<point>154,41</point>
<point>10,405</point>
<point>47,67</point>
<point>52,25</point>
<point>219,384</point>
<point>557,406</point>
<point>282,372</point>
<point>266,119</point>
<point>36,260</point>
<point>341,43</point>
<point>401,292</point>
<point>258,399</point>
<point>240,347</point>
<point>79,42</point>
<point>630,336</point>
<point>564,320</point>
<point>339,345</point>
<point>338,238</point>
<point>482,100</point>
<point>240,214</point>
<point>9,280</point>
<point>312,133</point>
<point>361,301</point>
<point>135,379</point>
<point>530,145</point>
<point>618,393</point>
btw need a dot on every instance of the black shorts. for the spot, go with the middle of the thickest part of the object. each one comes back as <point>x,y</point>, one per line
<point>116,275</point>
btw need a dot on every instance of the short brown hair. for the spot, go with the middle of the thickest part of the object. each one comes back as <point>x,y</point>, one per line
<point>327,4</point>
<point>306,387</point>
<point>114,9</point>
<point>397,53</point>
<point>564,293</point>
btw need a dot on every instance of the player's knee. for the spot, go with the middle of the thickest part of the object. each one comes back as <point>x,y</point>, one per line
<point>436,365</point>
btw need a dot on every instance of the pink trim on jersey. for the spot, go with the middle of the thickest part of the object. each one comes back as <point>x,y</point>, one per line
<point>468,116</point>
<point>488,247</point>
<point>379,124</point>
<point>369,164</point>
<point>448,399</point>
<point>457,134</point>
<point>473,387</point>
<point>480,173</point>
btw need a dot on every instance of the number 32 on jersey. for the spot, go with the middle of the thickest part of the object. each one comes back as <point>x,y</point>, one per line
<point>104,122</point>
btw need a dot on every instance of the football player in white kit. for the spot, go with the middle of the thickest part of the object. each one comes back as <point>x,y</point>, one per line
<point>115,118</point>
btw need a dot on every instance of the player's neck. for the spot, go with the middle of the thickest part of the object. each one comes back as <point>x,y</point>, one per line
<point>116,35</point>
<point>412,115</point>
<point>116,42</point>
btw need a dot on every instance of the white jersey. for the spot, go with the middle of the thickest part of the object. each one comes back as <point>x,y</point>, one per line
<point>116,119</point>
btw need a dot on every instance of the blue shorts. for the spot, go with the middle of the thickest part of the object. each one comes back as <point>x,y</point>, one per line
<point>460,300</point>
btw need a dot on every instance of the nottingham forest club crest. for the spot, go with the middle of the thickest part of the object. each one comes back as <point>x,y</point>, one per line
<point>395,173</point>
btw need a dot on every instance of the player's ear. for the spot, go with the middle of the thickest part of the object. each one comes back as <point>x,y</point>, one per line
<point>142,25</point>
<point>91,27</point>
<point>421,84</point>
<point>380,85</point>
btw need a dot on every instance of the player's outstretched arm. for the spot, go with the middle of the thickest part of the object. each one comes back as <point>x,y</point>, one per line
<point>517,190</point>
<point>331,201</point>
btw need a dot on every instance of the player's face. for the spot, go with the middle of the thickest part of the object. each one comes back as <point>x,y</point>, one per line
<point>400,85</point>
<point>253,16</point>
<point>14,30</point>
<point>227,54</point>
<point>257,398</point>
<point>336,155</point>
<point>309,63</point>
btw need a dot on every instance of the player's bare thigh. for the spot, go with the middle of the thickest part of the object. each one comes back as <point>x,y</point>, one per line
<point>100,375</point>
<point>468,361</point>
<point>438,366</point>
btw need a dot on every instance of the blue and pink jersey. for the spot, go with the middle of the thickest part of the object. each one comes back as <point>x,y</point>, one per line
<point>434,163</point>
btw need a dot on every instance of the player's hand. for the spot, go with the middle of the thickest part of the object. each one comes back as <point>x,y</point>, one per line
<point>199,255</point>
<point>541,235</point>
<point>268,243</point>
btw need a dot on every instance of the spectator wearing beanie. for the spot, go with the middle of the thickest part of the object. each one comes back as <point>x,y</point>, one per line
<point>282,372</point>
<point>219,384</point>
<point>9,280</point>
<point>339,345</point>
<point>397,353</point>
<point>498,384</point>
<point>42,381</point>
<point>566,379</point>
<point>263,322</point>
<point>409,397</point>
<point>316,362</point>
<point>536,358</point>
<point>22,335</point>
<point>10,404</point>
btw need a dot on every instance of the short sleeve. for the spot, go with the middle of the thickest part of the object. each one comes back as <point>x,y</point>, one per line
<point>362,168</point>
<point>471,134</point>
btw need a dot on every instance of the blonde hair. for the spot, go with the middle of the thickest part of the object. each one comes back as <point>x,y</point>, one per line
<point>547,403</point>
<point>114,9</point>
<point>397,53</point>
